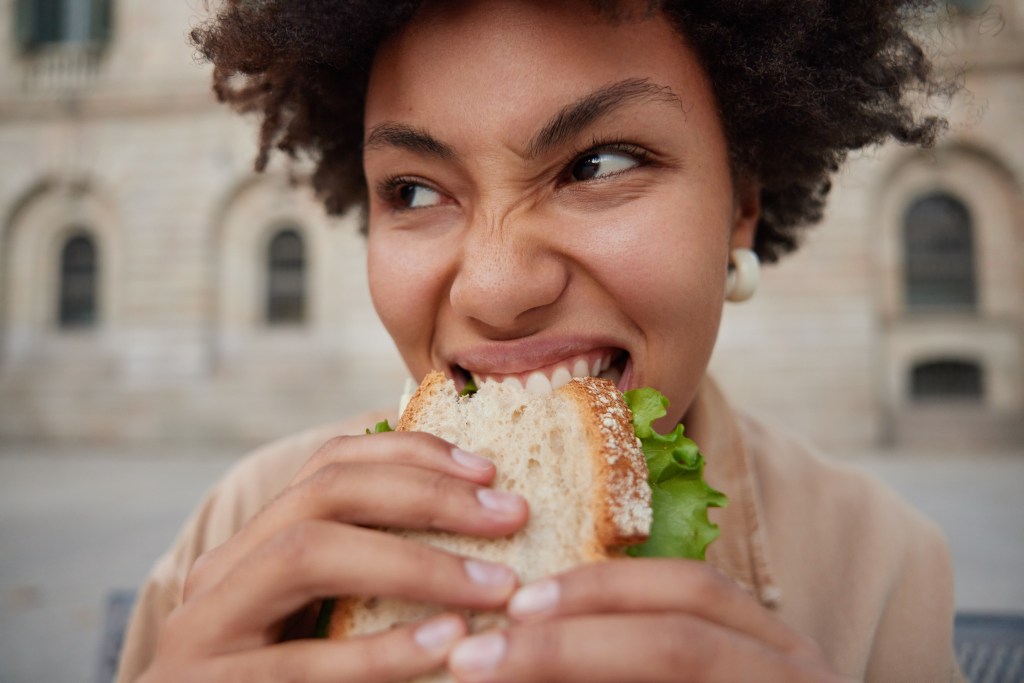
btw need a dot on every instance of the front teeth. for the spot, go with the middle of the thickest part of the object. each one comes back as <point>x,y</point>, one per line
<point>538,383</point>
<point>560,377</point>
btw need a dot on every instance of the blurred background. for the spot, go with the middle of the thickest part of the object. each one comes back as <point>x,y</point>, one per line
<point>163,309</point>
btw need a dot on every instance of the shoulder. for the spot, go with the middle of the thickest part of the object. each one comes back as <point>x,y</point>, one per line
<point>829,498</point>
<point>843,543</point>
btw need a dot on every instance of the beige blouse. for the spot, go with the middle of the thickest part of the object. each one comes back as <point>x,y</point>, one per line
<point>830,550</point>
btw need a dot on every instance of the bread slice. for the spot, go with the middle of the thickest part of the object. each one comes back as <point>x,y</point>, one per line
<point>571,453</point>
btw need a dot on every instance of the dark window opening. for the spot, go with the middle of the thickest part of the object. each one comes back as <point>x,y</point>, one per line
<point>286,279</point>
<point>78,282</point>
<point>947,380</point>
<point>42,23</point>
<point>939,255</point>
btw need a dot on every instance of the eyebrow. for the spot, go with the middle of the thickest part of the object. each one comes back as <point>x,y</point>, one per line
<point>391,134</point>
<point>574,117</point>
<point>564,125</point>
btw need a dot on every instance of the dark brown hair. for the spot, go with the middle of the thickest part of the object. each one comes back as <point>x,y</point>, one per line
<point>799,84</point>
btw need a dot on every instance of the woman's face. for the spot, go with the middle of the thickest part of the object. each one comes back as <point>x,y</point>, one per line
<point>550,194</point>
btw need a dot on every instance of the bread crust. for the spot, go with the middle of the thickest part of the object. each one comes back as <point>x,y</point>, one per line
<point>623,512</point>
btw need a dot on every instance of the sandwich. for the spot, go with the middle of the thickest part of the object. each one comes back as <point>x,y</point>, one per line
<point>599,481</point>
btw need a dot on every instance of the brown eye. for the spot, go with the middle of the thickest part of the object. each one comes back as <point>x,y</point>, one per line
<point>601,164</point>
<point>413,196</point>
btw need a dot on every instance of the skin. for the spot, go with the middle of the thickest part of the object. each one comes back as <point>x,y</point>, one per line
<point>493,252</point>
<point>517,266</point>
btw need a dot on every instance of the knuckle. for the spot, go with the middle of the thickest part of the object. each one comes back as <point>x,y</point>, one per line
<point>703,585</point>
<point>292,548</point>
<point>329,451</point>
<point>681,646</point>
<point>324,480</point>
<point>540,645</point>
<point>197,577</point>
<point>175,624</point>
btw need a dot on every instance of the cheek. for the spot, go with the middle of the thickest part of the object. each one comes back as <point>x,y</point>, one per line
<point>400,286</point>
<point>668,266</point>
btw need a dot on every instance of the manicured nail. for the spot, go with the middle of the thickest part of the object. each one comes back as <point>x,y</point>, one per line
<point>487,574</point>
<point>502,502</point>
<point>534,599</point>
<point>439,633</point>
<point>478,654</point>
<point>470,460</point>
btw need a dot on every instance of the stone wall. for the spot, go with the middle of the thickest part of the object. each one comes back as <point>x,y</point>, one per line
<point>130,145</point>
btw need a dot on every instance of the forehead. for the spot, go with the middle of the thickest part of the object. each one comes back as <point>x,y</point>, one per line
<point>520,60</point>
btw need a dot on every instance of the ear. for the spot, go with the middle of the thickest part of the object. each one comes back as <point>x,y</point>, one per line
<point>746,213</point>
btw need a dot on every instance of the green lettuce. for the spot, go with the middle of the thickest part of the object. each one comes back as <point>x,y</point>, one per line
<point>380,427</point>
<point>680,496</point>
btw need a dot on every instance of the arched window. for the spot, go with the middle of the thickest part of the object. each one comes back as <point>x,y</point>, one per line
<point>947,380</point>
<point>286,278</point>
<point>79,266</point>
<point>939,255</point>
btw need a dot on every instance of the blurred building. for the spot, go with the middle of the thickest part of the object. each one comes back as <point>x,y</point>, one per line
<point>153,287</point>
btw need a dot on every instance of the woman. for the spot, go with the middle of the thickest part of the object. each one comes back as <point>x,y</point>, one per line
<point>550,183</point>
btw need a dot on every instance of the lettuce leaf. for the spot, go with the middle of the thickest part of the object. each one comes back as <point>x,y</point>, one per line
<point>680,496</point>
<point>380,427</point>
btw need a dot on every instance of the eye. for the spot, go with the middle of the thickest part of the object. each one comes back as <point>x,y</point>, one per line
<point>602,164</point>
<point>416,196</point>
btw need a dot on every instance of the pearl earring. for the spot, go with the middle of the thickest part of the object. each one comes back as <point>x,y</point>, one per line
<point>744,275</point>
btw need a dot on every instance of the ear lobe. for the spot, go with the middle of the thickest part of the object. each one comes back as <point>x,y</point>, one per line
<point>746,214</point>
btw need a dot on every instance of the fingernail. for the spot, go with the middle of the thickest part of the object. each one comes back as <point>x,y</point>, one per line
<point>470,460</point>
<point>487,574</point>
<point>478,654</point>
<point>439,633</point>
<point>499,501</point>
<point>534,599</point>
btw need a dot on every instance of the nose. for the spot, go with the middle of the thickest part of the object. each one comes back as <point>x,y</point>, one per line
<point>508,275</point>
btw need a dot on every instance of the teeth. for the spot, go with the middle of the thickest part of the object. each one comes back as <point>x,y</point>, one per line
<point>513,381</point>
<point>537,383</point>
<point>560,377</point>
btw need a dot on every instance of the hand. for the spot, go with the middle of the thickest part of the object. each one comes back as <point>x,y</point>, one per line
<point>639,620</point>
<point>318,539</point>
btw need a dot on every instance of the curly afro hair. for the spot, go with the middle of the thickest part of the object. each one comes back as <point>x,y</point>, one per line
<point>799,84</point>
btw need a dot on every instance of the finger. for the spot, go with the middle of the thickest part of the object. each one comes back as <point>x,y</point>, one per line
<point>615,648</point>
<point>657,585</point>
<point>417,449</point>
<point>394,655</point>
<point>371,494</point>
<point>318,559</point>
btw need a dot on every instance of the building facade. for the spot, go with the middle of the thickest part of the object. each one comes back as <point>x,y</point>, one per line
<point>153,287</point>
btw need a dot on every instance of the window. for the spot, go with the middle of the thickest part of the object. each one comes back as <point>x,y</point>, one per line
<point>939,255</point>
<point>946,380</point>
<point>51,22</point>
<point>78,280</point>
<point>286,278</point>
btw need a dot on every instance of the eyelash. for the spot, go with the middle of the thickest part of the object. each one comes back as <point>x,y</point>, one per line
<point>389,186</point>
